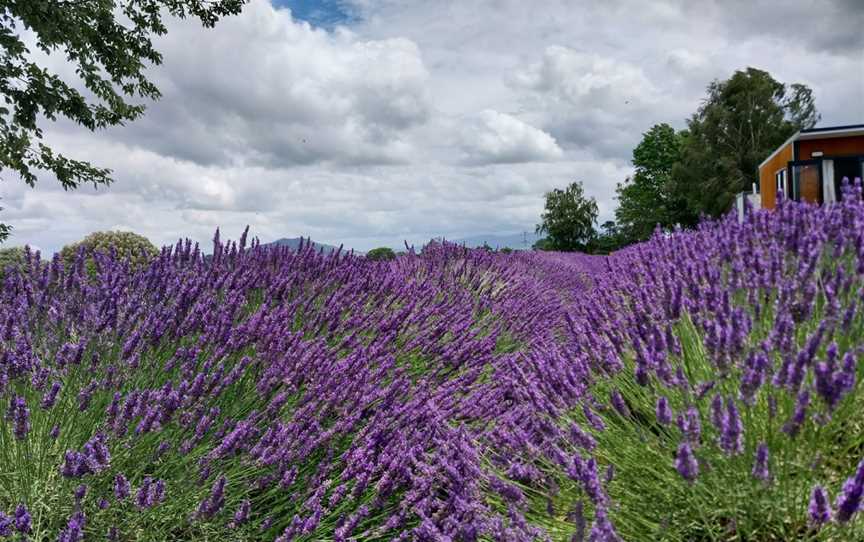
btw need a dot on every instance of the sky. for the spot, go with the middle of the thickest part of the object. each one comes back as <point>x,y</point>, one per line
<point>375,122</point>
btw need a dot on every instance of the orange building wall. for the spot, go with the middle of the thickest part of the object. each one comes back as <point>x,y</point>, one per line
<point>767,187</point>
<point>832,146</point>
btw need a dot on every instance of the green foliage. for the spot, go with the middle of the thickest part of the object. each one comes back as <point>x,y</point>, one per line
<point>656,503</point>
<point>135,249</point>
<point>607,240</point>
<point>109,48</point>
<point>381,254</point>
<point>568,219</point>
<point>12,257</point>
<point>542,244</point>
<point>742,120</point>
<point>648,199</point>
<point>5,230</point>
<point>506,250</point>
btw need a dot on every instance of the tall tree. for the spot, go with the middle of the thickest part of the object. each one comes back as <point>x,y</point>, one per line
<point>568,219</point>
<point>742,120</point>
<point>109,44</point>
<point>648,198</point>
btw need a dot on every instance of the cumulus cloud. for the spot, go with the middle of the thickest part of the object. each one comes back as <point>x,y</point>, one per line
<point>496,137</point>
<point>587,80</point>
<point>587,99</point>
<point>266,89</point>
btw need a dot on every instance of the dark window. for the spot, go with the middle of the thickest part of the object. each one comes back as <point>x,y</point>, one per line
<point>806,182</point>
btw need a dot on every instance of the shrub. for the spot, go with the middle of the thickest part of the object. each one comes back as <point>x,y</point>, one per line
<point>542,244</point>
<point>130,247</point>
<point>381,254</point>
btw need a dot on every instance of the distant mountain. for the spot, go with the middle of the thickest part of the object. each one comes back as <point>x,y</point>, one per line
<point>516,241</point>
<point>294,243</point>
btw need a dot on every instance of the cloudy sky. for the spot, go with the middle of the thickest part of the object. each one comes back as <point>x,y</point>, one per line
<point>370,122</point>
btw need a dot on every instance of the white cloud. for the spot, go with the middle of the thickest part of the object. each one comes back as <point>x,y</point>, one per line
<point>496,137</point>
<point>587,80</point>
<point>263,88</point>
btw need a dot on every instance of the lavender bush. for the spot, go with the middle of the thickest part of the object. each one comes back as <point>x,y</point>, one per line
<point>700,386</point>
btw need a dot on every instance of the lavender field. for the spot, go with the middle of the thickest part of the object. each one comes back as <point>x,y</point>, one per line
<point>704,385</point>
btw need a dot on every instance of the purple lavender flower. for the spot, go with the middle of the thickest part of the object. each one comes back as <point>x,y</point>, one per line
<point>664,413</point>
<point>22,519</point>
<point>510,492</point>
<point>619,404</point>
<point>760,465</point>
<point>690,424</point>
<point>54,433</point>
<point>20,418</point>
<point>158,491</point>
<point>820,509</point>
<point>703,388</point>
<point>80,492</point>
<point>577,516</point>
<point>74,531</point>
<point>602,529</point>
<point>242,513</point>
<point>685,462</point>
<point>150,493</point>
<point>582,438</point>
<point>50,396</point>
<point>6,524</point>
<point>85,395</point>
<point>93,458</point>
<point>215,501</point>
<point>794,423</point>
<point>121,487</point>
<point>754,376</point>
<point>593,419</point>
<point>849,500</point>
<point>732,430</point>
<point>717,412</point>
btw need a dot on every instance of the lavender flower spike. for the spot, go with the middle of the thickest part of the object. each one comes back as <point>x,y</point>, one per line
<point>22,519</point>
<point>664,413</point>
<point>820,510</point>
<point>760,466</point>
<point>849,500</point>
<point>686,463</point>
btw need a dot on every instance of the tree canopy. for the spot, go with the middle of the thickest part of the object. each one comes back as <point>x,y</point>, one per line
<point>381,254</point>
<point>648,199</point>
<point>741,121</point>
<point>568,219</point>
<point>109,44</point>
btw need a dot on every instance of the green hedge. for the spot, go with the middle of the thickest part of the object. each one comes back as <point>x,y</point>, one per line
<point>131,247</point>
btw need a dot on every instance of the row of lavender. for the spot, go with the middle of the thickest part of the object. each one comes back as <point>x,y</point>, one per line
<point>693,387</point>
<point>266,393</point>
<point>734,351</point>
